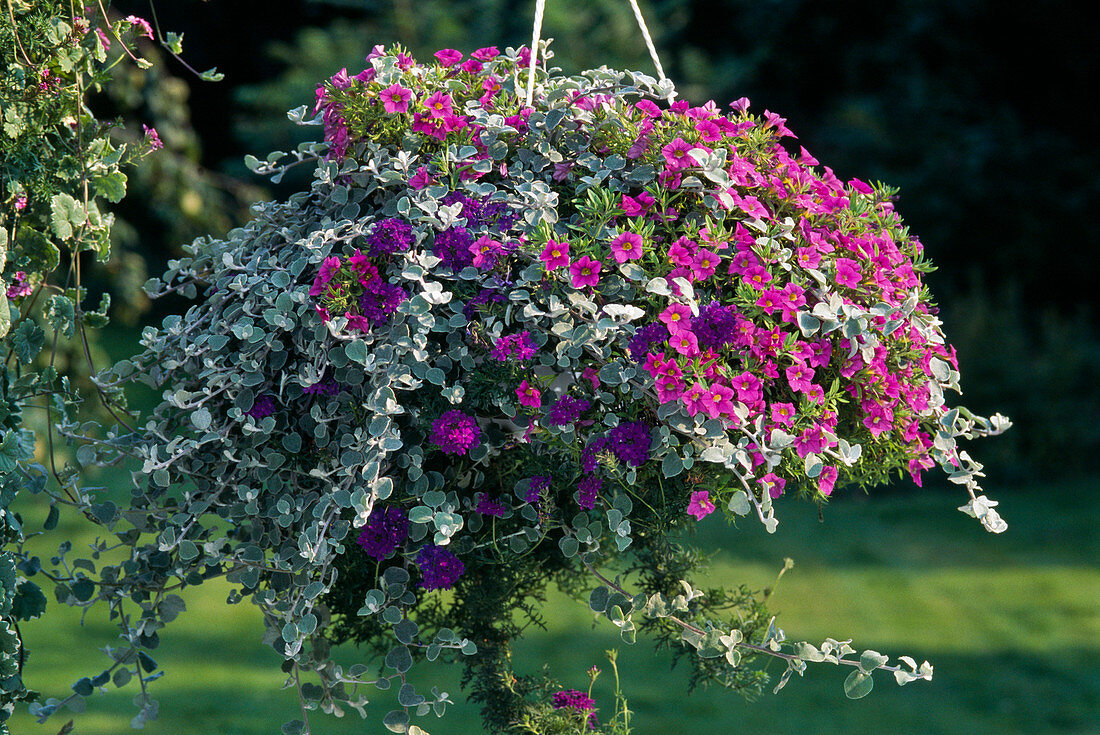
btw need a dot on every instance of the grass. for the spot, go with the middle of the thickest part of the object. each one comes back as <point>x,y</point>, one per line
<point>1010,623</point>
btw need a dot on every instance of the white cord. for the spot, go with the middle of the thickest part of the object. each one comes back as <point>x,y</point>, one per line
<point>649,45</point>
<point>536,35</point>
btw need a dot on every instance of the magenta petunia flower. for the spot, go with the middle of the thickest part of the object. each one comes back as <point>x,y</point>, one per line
<point>328,269</point>
<point>700,505</point>
<point>529,395</point>
<point>800,377</point>
<point>848,273</point>
<point>686,343</point>
<point>440,105</point>
<point>395,98</point>
<point>677,317</point>
<point>676,155</point>
<point>555,255</point>
<point>627,246</point>
<point>487,53</point>
<point>783,413</point>
<point>718,401</point>
<point>448,57</point>
<point>826,481</point>
<point>585,272</point>
<point>774,484</point>
<point>704,264</point>
<point>486,250</point>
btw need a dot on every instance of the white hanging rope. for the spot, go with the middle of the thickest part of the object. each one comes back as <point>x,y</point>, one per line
<point>536,35</point>
<point>650,46</point>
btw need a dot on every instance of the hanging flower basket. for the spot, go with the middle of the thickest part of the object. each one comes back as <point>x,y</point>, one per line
<point>500,345</point>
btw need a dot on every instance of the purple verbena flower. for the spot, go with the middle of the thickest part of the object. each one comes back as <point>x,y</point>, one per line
<point>390,236</point>
<point>579,701</point>
<point>566,410</point>
<point>455,433</point>
<point>386,529</point>
<point>587,490</point>
<point>519,347</point>
<point>535,487</point>
<point>262,407</point>
<point>629,442</point>
<point>452,246</point>
<point>489,506</point>
<point>644,338</point>
<point>439,568</point>
<point>716,326</point>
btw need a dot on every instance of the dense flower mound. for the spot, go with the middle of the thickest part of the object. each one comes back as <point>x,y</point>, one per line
<point>511,341</point>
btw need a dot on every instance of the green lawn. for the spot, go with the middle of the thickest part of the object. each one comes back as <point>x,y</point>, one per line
<point>1010,623</point>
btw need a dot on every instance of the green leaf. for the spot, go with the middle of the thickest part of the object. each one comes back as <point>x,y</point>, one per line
<point>111,187</point>
<point>174,43</point>
<point>39,249</point>
<point>396,720</point>
<point>28,340</point>
<point>5,311</point>
<point>858,685</point>
<point>569,546</point>
<point>83,589</point>
<point>399,659</point>
<point>29,602</point>
<point>212,75</point>
<point>61,314</point>
<point>66,214</point>
<point>201,418</point>
<point>598,599</point>
<point>672,465</point>
<point>871,660</point>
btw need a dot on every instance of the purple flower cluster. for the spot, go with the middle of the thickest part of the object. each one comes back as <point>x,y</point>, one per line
<point>455,433</point>
<point>452,246</point>
<point>566,410</point>
<point>484,297</point>
<point>385,531</point>
<point>588,455</point>
<point>327,387</point>
<point>262,407</point>
<point>646,337</point>
<point>519,347</point>
<point>489,506</point>
<point>390,236</point>
<point>439,568</point>
<point>576,700</point>
<point>535,488</point>
<point>19,286</point>
<point>587,490</point>
<point>483,214</point>
<point>380,300</point>
<point>630,442</point>
<point>715,327</point>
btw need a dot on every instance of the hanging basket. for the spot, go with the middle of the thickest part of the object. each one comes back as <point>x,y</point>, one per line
<point>500,345</point>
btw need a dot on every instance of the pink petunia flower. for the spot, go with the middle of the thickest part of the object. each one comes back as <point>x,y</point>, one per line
<point>677,317</point>
<point>486,250</point>
<point>448,57</point>
<point>686,343</point>
<point>848,272</point>
<point>826,481</point>
<point>440,105</point>
<point>395,98</point>
<point>422,178</point>
<point>627,246</point>
<point>676,155</point>
<point>700,505</point>
<point>704,264</point>
<point>555,255</point>
<point>529,395</point>
<point>682,252</point>
<point>774,484</point>
<point>783,413</point>
<point>719,401</point>
<point>486,54</point>
<point>585,271</point>
<point>695,399</point>
<point>800,377</point>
